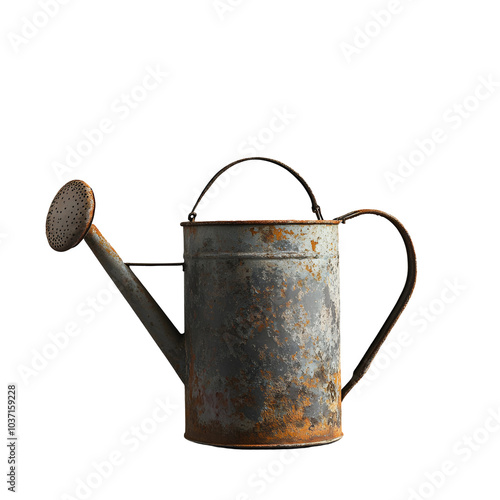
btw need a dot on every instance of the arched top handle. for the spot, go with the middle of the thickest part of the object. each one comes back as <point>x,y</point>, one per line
<point>315,207</point>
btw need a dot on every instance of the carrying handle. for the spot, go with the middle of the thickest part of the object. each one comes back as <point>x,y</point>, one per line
<point>411,277</point>
<point>315,207</point>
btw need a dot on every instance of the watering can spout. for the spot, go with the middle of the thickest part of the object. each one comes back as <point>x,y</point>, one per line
<point>163,331</point>
<point>69,221</point>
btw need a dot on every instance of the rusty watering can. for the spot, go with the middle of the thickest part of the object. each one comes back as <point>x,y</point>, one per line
<point>260,358</point>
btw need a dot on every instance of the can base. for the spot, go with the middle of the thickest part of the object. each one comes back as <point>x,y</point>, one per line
<point>265,446</point>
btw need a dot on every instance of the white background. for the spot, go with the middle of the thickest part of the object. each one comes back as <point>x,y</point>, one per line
<point>353,111</point>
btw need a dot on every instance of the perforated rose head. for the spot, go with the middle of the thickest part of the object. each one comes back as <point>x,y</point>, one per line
<point>70,215</point>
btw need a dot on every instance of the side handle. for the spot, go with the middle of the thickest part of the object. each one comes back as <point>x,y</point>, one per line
<point>411,277</point>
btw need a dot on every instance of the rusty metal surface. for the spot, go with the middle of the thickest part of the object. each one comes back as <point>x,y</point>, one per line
<point>262,334</point>
<point>164,333</point>
<point>315,207</point>
<point>68,222</point>
<point>258,222</point>
<point>260,359</point>
<point>70,215</point>
<point>411,278</point>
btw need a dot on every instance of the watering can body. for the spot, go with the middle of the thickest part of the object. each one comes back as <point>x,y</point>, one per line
<point>262,333</point>
<point>260,357</point>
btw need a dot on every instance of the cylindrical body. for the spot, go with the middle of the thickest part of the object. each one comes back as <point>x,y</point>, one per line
<point>262,333</point>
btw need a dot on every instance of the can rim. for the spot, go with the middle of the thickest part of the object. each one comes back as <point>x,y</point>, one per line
<point>260,222</point>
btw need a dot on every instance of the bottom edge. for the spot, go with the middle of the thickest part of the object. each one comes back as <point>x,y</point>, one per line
<point>265,446</point>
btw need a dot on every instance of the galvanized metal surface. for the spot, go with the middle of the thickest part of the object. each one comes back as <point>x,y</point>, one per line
<point>262,334</point>
<point>164,333</point>
<point>69,221</point>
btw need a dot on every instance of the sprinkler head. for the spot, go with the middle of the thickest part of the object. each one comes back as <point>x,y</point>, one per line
<point>70,215</point>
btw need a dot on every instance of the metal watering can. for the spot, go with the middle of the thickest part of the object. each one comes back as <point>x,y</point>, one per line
<point>260,358</point>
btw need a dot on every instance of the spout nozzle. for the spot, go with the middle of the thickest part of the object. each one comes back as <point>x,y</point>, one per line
<point>70,215</point>
<point>69,221</point>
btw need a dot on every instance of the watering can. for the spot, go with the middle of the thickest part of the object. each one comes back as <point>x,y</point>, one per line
<point>260,358</point>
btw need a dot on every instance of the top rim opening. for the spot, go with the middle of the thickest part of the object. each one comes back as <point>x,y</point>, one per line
<point>259,222</point>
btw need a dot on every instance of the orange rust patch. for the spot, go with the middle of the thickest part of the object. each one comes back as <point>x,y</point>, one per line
<point>302,325</point>
<point>277,340</point>
<point>313,245</point>
<point>316,276</point>
<point>284,420</point>
<point>272,233</point>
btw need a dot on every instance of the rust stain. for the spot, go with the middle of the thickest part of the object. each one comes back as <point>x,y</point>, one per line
<point>261,222</point>
<point>271,233</point>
